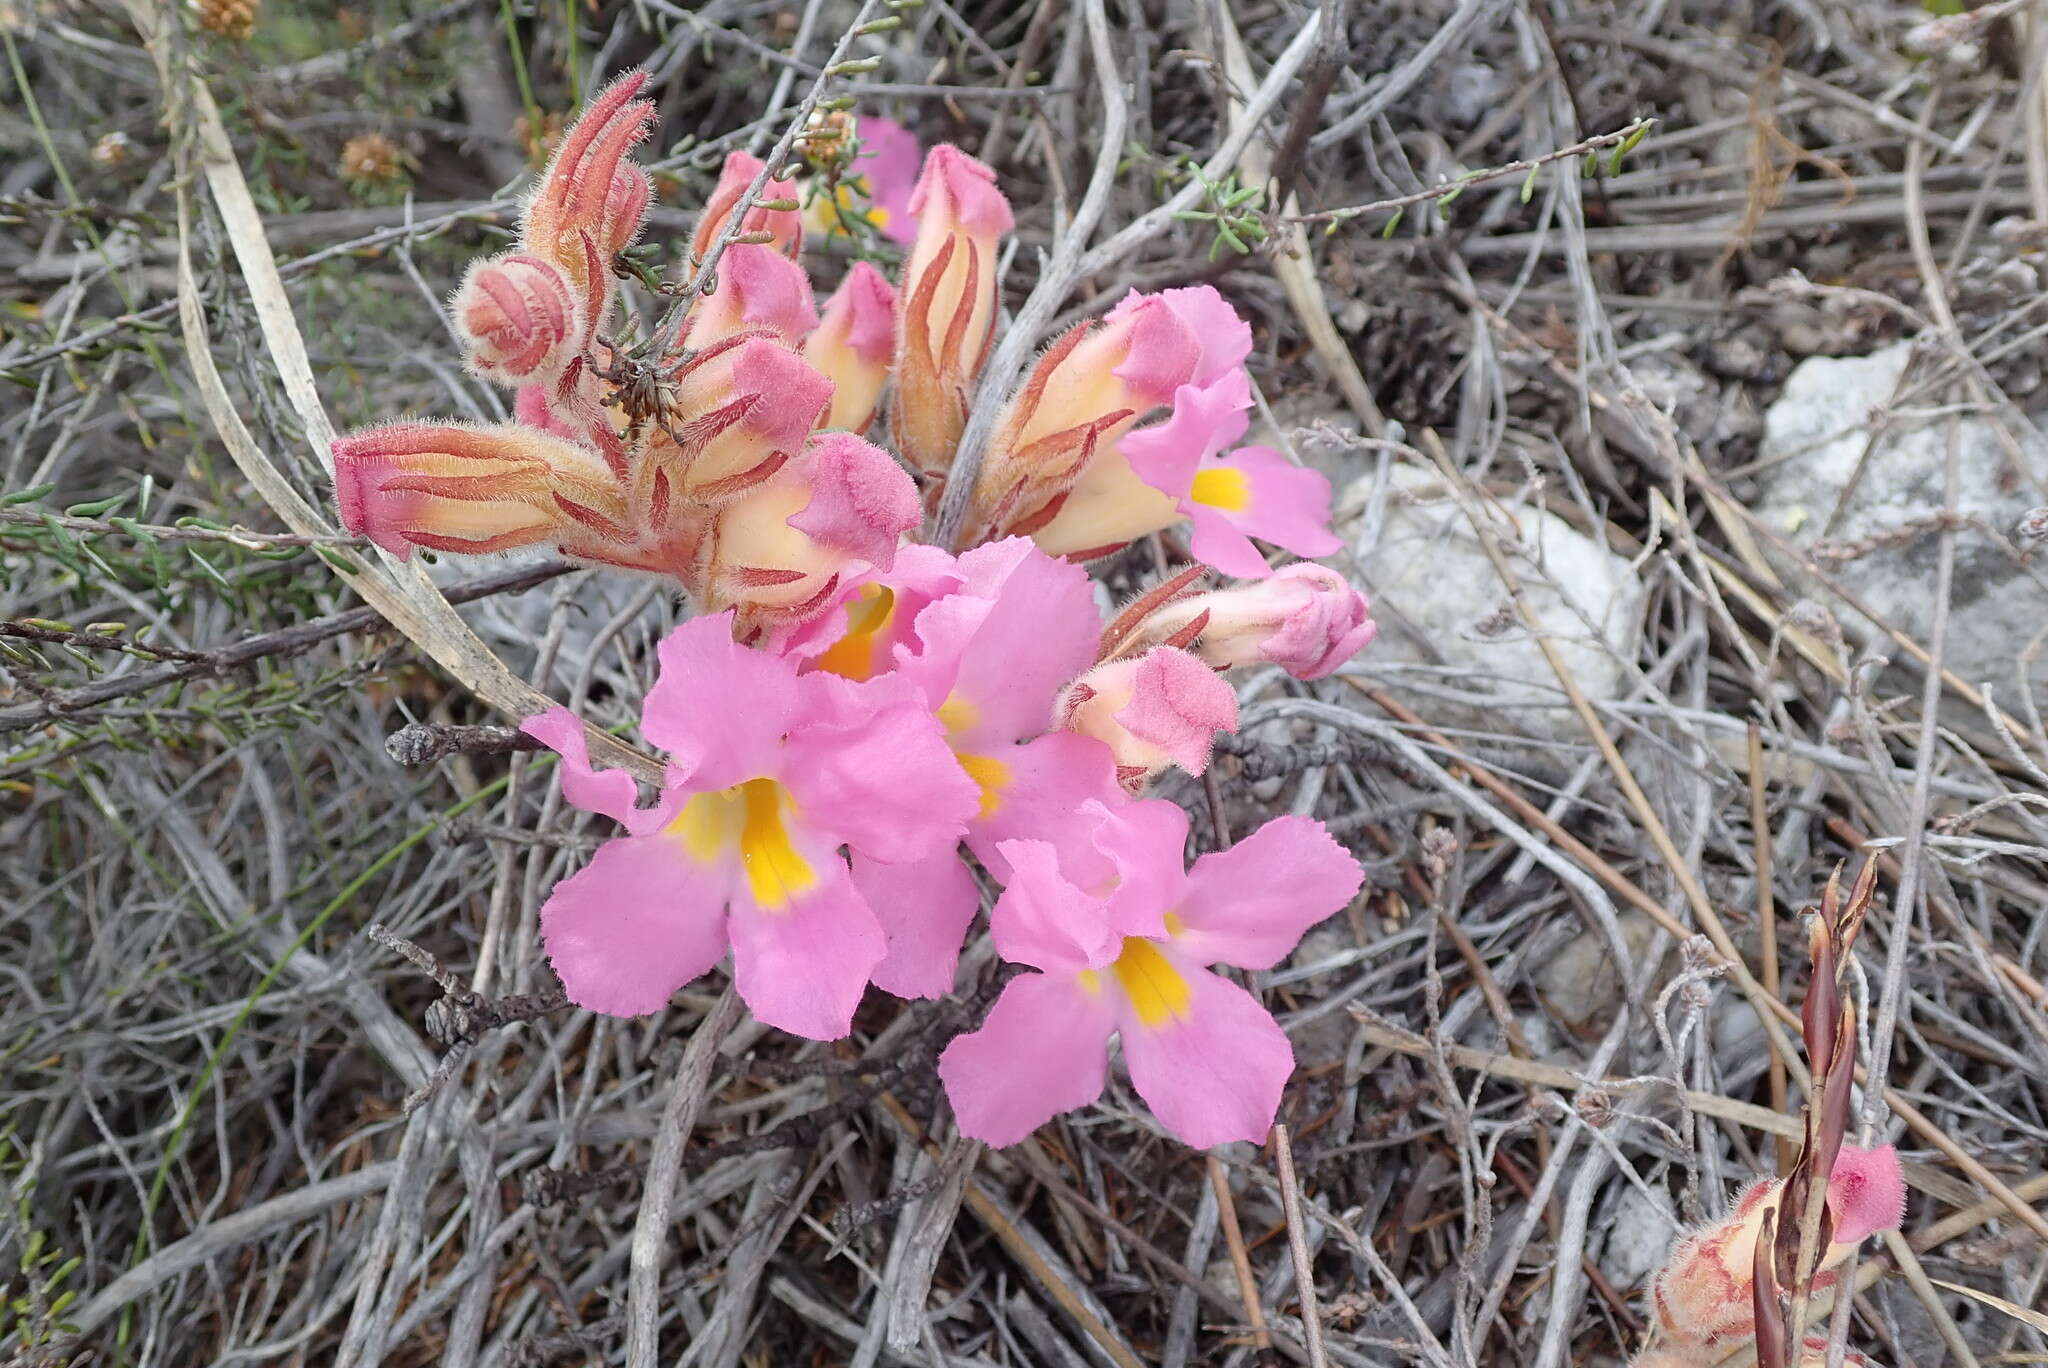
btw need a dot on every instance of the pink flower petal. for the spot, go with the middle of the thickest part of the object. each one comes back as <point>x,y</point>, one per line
<point>1215,1073</point>
<point>925,907</point>
<point>962,191</point>
<point>875,771</point>
<point>719,708</point>
<point>861,503</point>
<point>1251,904</point>
<point>1179,704</point>
<point>1163,351</point>
<point>1226,338</point>
<point>758,287</point>
<point>1205,420</point>
<point>1043,1050</point>
<point>1144,842</point>
<point>889,158</point>
<point>1866,1193</point>
<point>635,924</point>
<point>610,793</point>
<point>1217,541</point>
<point>1332,625</point>
<point>880,624</point>
<point>1043,920</point>
<point>1285,504</point>
<point>804,967</point>
<point>1049,782</point>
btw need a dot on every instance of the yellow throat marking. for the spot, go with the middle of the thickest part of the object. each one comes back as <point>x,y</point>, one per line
<point>1157,991</point>
<point>1224,488</point>
<point>867,617</point>
<point>752,820</point>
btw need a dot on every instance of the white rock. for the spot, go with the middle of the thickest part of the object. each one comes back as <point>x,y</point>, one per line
<point>1814,437</point>
<point>1638,1238</point>
<point>1426,569</point>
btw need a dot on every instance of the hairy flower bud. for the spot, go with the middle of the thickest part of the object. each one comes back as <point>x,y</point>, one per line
<point>1703,1295</point>
<point>853,344</point>
<point>782,547</point>
<point>470,489</point>
<point>749,403</point>
<point>520,318</point>
<point>948,304</point>
<point>759,290</point>
<point>1159,709</point>
<point>590,201</point>
<point>1306,619</point>
<point>785,226</point>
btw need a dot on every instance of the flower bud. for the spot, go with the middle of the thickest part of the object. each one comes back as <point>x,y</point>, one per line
<point>1305,618</point>
<point>948,303</point>
<point>590,201</point>
<point>1162,708</point>
<point>783,546</point>
<point>747,403</point>
<point>853,344</point>
<point>759,290</point>
<point>520,319</point>
<point>470,489</point>
<point>1704,1293</point>
<point>786,225</point>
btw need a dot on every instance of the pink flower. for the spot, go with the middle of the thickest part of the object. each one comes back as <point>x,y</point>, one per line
<point>784,225</point>
<point>1252,492</point>
<point>1159,709</point>
<point>781,548</point>
<point>520,318</point>
<point>854,344</point>
<point>451,487</point>
<point>1704,1293</point>
<point>769,775</point>
<point>1055,469</point>
<point>1306,618</point>
<point>590,202</point>
<point>888,163</point>
<point>1131,962</point>
<point>759,290</point>
<point>948,303</point>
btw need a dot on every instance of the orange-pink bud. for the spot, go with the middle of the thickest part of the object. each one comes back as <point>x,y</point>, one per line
<point>455,488</point>
<point>840,506</point>
<point>590,201</point>
<point>852,346</point>
<point>748,404</point>
<point>785,225</point>
<point>759,290</point>
<point>948,304</point>
<point>1159,709</point>
<point>1306,618</point>
<point>520,317</point>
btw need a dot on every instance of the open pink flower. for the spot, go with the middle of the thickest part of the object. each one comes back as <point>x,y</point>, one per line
<point>1131,962</point>
<point>1159,709</point>
<point>1704,1293</point>
<point>1250,492</point>
<point>1054,469</point>
<point>875,187</point>
<point>988,659</point>
<point>769,775</point>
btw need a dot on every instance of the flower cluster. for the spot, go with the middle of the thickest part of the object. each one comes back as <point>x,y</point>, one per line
<point>863,730</point>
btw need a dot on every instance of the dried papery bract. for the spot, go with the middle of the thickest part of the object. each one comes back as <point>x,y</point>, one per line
<point>947,304</point>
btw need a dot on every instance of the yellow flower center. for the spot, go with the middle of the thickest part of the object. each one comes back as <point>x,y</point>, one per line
<point>751,819</point>
<point>867,617</point>
<point>1221,487</point>
<point>1157,991</point>
<point>992,775</point>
